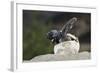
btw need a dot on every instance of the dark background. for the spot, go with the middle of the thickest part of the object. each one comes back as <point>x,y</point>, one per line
<point>37,23</point>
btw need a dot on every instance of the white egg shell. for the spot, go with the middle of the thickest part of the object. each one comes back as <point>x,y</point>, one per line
<point>67,47</point>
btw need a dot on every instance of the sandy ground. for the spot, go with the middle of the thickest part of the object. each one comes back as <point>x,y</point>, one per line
<point>53,57</point>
